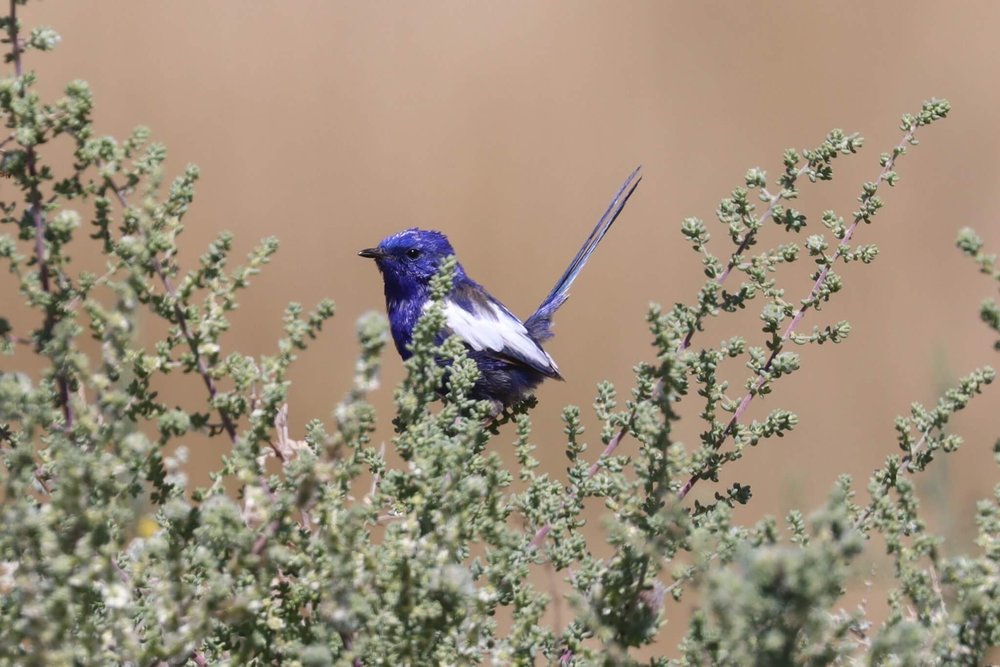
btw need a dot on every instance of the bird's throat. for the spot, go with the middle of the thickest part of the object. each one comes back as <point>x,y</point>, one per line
<point>403,316</point>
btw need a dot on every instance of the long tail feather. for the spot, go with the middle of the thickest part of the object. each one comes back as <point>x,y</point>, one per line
<point>539,324</point>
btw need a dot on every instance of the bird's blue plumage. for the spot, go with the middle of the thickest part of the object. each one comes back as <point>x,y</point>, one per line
<point>508,352</point>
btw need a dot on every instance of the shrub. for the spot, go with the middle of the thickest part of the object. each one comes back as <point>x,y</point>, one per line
<point>331,553</point>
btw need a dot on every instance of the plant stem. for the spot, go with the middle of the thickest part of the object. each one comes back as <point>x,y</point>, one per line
<point>35,210</point>
<point>182,323</point>
<point>800,313</point>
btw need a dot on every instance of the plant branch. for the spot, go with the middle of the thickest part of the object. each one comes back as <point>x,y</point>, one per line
<point>35,211</point>
<point>182,323</point>
<point>16,340</point>
<point>904,464</point>
<point>806,304</point>
<point>745,243</point>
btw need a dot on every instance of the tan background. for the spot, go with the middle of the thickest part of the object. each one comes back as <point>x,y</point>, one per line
<point>510,125</point>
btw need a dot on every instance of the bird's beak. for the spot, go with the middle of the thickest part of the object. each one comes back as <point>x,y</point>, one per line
<point>372,253</point>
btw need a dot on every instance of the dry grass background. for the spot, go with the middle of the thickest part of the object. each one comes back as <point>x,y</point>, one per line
<point>509,126</point>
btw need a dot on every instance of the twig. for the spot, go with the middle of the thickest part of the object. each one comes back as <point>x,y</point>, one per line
<point>376,479</point>
<point>904,464</point>
<point>182,323</point>
<point>41,477</point>
<point>75,301</point>
<point>936,586</point>
<point>16,340</point>
<point>861,628</point>
<point>265,535</point>
<point>800,313</point>
<point>15,51</point>
<point>284,446</point>
<point>348,642</point>
<point>35,198</point>
<point>745,243</point>
<point>39,473</point>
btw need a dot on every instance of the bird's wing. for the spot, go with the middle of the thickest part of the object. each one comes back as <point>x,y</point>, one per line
<point>486,325</point>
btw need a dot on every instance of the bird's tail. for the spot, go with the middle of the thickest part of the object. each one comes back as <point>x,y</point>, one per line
<point>539,325</point>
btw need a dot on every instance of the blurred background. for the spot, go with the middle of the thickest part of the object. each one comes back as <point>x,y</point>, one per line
<point>510,125</point>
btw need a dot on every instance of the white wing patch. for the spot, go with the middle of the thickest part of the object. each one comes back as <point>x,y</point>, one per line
<point>492,327</point>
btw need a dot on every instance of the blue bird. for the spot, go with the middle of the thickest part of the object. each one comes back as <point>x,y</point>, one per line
<point>508,351</point>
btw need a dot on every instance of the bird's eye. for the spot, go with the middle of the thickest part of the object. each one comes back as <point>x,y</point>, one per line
<point>413,253</point>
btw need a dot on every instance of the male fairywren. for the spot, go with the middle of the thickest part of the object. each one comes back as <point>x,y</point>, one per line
<point>507,351</point>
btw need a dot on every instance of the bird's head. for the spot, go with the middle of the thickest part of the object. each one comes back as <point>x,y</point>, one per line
<point>411,257</point>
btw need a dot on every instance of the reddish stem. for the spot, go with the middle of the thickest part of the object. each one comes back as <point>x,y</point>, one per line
<point>35,198</point>
<point>182,323</point>
<point>800,313</point>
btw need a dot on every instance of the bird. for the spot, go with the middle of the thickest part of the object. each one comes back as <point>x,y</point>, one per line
<point>507,351</point>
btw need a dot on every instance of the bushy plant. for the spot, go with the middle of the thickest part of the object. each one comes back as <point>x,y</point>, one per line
<point>320,550</point>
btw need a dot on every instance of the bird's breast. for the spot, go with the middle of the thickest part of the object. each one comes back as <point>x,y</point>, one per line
<point>403,316</point>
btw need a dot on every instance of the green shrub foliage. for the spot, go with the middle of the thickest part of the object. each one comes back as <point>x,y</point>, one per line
<point>325,550</point>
